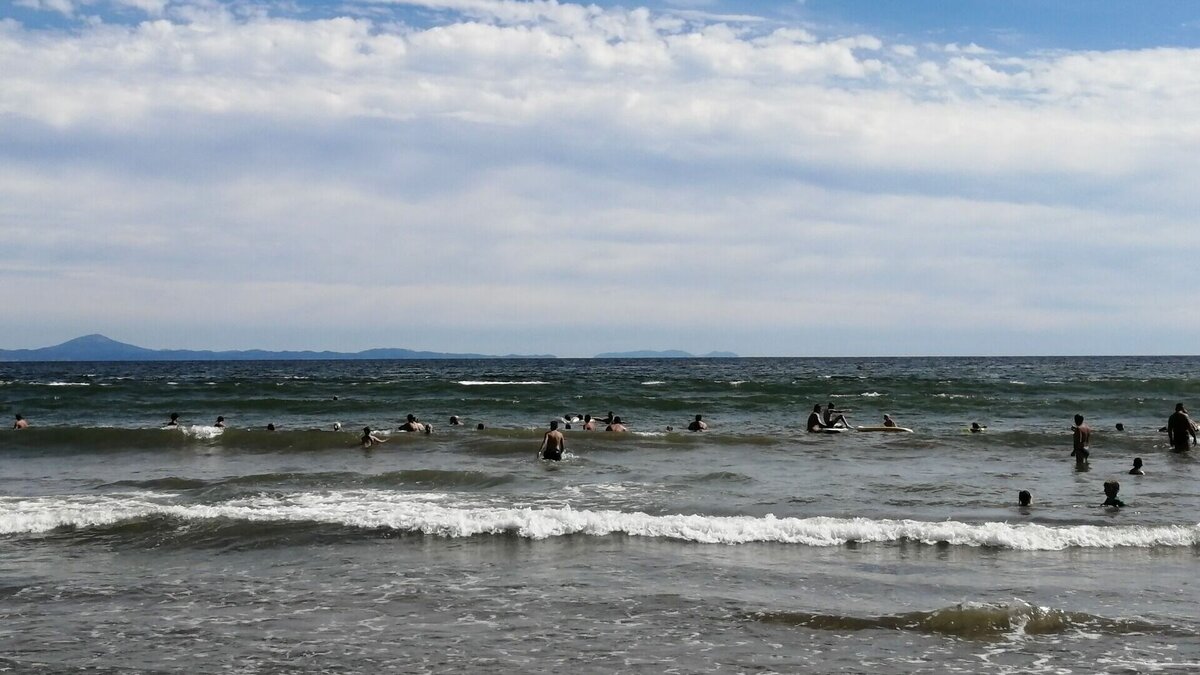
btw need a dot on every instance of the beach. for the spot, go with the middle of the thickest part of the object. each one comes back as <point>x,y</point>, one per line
<point>750,547</point>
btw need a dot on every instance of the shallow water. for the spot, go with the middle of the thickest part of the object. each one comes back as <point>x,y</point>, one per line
<point>751,547</point>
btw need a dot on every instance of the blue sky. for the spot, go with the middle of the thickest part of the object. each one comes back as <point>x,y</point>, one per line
<point>772,178</point>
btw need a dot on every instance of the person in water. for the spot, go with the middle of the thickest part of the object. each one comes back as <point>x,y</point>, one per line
<point>814,420</point>
<point>369,439</point>
<point>829,420</point>
<point>589,424</point>
<point>553,443</point>
<point>1111,488</point>
<point>220,423</point>
<point>479,427</point>
<point>1137,467</point>
<point>1120,427</point>
<point>270,426</point>
<point>616,425</point>
<point>697,424</point>
<point>454,421</point>
<point>1180,428</point>
<point>1024,498</point>
<point>1082,436</point>
<point>976,428</point>
<point>174,420</point>
<point>21,423</point>
<point>412,424</point>
<point>888,421</point>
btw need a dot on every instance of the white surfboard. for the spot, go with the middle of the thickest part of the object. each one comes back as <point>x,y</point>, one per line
<point>894,430</point>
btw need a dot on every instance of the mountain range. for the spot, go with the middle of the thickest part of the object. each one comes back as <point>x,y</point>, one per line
<point>97,347</point>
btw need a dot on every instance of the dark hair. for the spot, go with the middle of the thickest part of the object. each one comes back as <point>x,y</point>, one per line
<point>553,424</point>
<point>697,418</point>
<point>1023,497</point>
<point>479,426</point>
<point>1079,419</point>
<point>617,419</point>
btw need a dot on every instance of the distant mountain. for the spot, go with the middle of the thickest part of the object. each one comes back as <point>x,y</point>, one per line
<point>100,348</point>
<point>667,354</point>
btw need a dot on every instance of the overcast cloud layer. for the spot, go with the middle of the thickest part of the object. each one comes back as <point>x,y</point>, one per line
<point>506,176</point>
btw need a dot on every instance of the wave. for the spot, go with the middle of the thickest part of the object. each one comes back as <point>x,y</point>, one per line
<point>480,383</point>
<point>974,620</point>
<point>421,478</point>
<point>435,514</point>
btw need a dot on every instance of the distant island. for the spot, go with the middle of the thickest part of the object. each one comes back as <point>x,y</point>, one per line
<point>100,348</point>
<point>667,354</point>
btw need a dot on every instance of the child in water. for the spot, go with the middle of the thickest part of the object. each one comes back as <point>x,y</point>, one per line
<point>1111,488</point>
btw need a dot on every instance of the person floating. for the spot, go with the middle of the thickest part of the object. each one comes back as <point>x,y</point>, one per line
<point>1081,437</point>
<point>697,424</point>
<point>1111,488</point>
<point>21,423</point>
<point>1180,428</point>
<point>369,439</point>
<point>1024,498</point>
<point>553,443</point>
<point>1137,467</point>
<point>616,425</point>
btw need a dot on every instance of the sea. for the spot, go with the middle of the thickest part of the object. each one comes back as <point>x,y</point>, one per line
<point>752,547</point>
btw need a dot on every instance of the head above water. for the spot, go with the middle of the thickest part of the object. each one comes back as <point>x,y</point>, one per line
<point>479,427</point>
<point>1120,427</point>
<point>1024,498</point>
<point>698,418</point>
<point>617,419</point>
<point>1137,462</point>
<point>18,416</point>
<point>411,418</point>
<point>1111,488</point>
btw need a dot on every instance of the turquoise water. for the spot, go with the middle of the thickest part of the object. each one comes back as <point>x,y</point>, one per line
<point>751,547</point>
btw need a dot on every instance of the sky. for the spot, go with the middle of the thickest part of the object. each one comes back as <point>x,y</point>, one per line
<point>816,178</point>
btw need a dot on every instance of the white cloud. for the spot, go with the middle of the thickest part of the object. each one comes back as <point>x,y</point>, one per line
<point>517,163</point>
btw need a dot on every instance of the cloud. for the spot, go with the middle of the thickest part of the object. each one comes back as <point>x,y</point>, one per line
<point>529,176</point>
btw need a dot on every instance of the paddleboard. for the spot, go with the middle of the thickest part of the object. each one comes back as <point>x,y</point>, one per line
<point>834,430</point>
<point>903,430</point>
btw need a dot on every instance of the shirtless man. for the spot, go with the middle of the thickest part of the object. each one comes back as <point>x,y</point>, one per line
<point>888,421</point>
<point>589,424</point>
<point>616,425</point>
<point>1179,428</point>
<point>411,424</point>
<point>220,423</point>
<point>1079,444</point>
<point>553,443</point>
<point>174,420</point>
<point>829,420</point>
<point>697,425</point>
<point>21,423</point>
<point>369,439</point>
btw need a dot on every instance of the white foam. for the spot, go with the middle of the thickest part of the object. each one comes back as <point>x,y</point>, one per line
<point>478,383</point>
<point>419,513</point>
<point>68,384</point>
<point>651,383</point>
<point>202,431</point>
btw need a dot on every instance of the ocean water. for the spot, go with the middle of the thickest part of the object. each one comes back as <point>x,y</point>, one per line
<point>752,547</point>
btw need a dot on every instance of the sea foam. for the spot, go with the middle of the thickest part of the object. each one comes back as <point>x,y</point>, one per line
<point>435,514</point>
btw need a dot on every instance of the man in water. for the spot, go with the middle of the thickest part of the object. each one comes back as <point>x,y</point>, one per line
<point>21,423</point>
<point>411,424</point>
<point>1111,488</point>
<point>1024,498</point>
<point>220,423</point>
<point>697,424</point>
<point>589,424</point>
<point>1179,428</point>
<point>369,439</point>
<point>553,443</point>
<point>830,421</point>
<point>454,421</point>
<point>1079,444</point>
<point>616,425</point>
<point>1137,467</point>
<point>270,426</point>
<point>976,428</point>
<point>174,420</point>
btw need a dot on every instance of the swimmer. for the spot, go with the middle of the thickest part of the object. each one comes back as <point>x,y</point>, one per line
<point>553,443</point>
<point>220,423</point>
<point>1024,498</point>
<point>888,421</point>
<point>454,421</point>
<point>174,420</point>
<point>1180,428</point>
<point>1081,436</point>
<point>411,424</point>
<point>1120,427</point>
<point>608,419</point>
<point>479,427</point>
<point>369,439</point>
<point>697,424</point>
<point>337,426</point>
<point>428,429</point>
<point>1137,467</point>
<point>616,425</point>
<point>21,423</point>
<point>270,426</point>
<point>589,424</point>
<point>1111,488</point>
<point>976,428</point>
